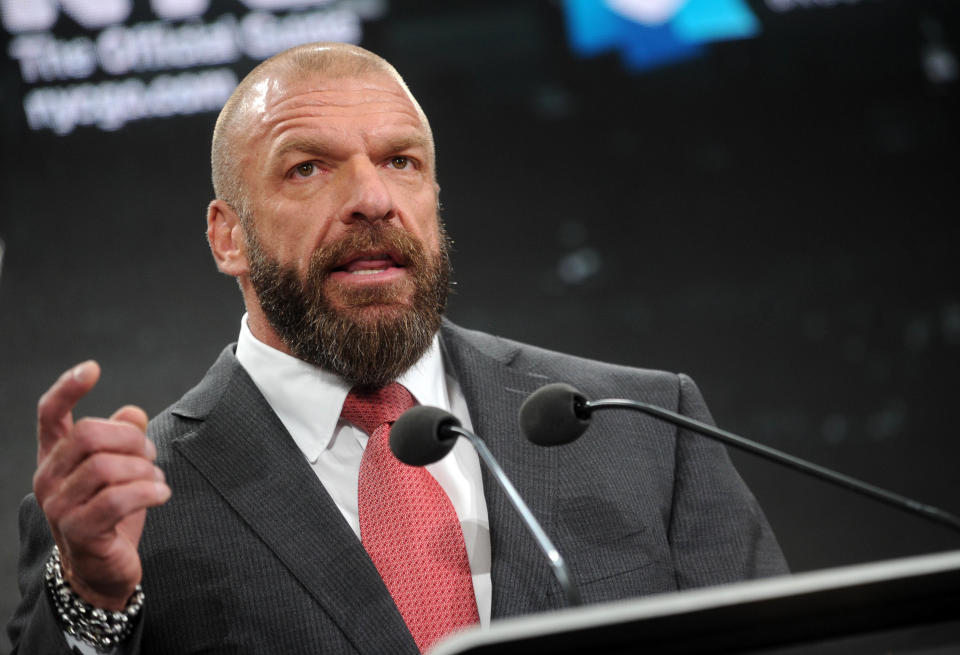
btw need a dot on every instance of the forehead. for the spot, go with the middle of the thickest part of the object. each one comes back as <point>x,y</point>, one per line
<point>364,106</point>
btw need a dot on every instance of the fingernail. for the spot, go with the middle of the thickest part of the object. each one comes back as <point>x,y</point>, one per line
<point>81,372</point>
<point>158,474</point>
<point>163,491</point>
<point>149,450</point>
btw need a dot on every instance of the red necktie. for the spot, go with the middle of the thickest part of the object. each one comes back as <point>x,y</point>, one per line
<point>408,525</point>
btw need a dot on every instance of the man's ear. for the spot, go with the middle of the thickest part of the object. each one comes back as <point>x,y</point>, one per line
<point>227,240</point>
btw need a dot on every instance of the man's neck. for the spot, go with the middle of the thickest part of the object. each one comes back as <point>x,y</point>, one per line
<point>262,331</point>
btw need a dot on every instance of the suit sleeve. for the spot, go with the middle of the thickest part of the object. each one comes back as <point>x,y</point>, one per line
<point>717,531</point>
<point>34,629</point>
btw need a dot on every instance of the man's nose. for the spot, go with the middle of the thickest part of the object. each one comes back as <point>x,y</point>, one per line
<point>368,197</point>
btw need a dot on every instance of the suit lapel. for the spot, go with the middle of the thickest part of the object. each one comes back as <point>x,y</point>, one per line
<point>521,577</point>
<point>243,450</point>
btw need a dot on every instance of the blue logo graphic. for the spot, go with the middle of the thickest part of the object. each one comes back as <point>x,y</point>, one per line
<point>651,33</point>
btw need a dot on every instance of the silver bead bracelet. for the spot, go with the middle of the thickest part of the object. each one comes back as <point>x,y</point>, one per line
<point>99,628</point>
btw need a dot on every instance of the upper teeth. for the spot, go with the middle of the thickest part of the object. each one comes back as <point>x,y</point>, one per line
<point>369,271</point>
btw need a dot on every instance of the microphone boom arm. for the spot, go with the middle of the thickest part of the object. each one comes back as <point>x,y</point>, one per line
<point>839,479</point>
<point>556,560</point>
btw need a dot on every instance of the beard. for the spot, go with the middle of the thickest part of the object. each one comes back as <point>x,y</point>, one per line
<point>368,335</point>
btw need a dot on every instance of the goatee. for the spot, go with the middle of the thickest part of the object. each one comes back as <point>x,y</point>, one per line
<point>368,336</point>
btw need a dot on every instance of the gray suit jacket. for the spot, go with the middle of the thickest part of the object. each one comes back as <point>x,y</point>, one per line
<point>251,555</point>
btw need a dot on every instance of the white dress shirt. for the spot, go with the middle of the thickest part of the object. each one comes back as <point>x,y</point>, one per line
<point>308,401</point>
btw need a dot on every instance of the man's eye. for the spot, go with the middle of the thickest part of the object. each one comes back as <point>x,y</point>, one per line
<point>399,163</point>
<point>306,169</point>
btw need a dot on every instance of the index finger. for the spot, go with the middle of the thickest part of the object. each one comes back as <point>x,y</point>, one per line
<point>54,418</point>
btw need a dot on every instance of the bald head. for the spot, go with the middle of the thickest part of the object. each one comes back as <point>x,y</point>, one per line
<point>246,104</point>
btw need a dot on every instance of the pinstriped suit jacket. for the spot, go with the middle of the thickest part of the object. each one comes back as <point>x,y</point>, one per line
<point>250,555</point>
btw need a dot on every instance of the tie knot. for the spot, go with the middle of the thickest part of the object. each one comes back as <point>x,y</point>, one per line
<point>368,410</point>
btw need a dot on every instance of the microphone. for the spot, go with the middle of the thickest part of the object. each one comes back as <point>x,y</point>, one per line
<point>554,415</point>
<point>557,414</point>
<point>423,435</point>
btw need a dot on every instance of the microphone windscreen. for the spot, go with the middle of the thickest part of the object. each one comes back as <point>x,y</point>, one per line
<point>418,437</point>
<point>548,417</point>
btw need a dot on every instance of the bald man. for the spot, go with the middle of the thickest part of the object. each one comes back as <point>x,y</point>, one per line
<point>259,538</point>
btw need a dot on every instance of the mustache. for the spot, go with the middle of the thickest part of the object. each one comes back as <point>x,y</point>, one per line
<point>366,238</point>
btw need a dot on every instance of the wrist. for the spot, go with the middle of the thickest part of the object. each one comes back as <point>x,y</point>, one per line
<point>115,601</point>
<point>104,602</point>
<point>100,627</point>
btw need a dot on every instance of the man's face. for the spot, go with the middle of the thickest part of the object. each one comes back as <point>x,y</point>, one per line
<point>345,250</point>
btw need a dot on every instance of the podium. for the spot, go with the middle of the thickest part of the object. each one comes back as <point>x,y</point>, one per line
<point>902,606</point>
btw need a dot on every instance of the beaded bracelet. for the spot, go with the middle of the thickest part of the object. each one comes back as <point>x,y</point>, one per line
<point>99,628</point>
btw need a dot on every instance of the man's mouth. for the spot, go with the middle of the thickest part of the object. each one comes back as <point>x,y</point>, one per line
<point>369,264</point>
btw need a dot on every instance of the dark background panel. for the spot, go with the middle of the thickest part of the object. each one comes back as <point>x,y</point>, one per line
<point>777,218</point>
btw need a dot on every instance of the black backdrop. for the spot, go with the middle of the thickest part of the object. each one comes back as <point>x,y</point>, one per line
<point>777,218</point>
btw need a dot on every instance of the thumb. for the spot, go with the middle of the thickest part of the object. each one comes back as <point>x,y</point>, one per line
<point>133,415</point>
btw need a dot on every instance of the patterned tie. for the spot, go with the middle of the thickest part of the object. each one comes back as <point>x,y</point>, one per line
<point>408,525</point>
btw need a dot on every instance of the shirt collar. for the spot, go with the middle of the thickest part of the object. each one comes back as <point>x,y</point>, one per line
<point>308,400</point>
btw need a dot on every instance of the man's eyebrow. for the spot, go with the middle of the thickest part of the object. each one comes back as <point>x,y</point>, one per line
<point>408,142</point>
<point>308,145</point>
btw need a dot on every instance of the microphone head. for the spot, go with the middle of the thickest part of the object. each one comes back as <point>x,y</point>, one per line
<point>549,417</point>
<point>420,436</point>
